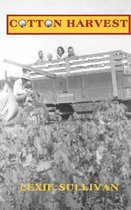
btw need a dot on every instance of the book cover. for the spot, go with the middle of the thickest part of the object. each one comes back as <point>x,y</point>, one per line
<point>65,105</point>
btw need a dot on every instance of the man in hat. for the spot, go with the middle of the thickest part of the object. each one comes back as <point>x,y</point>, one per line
<point>22,88</point>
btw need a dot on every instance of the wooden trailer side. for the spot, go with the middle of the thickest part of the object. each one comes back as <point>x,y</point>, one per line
<point>89,78</point>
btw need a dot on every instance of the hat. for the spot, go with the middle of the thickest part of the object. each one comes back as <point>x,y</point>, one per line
<point>26,76</point>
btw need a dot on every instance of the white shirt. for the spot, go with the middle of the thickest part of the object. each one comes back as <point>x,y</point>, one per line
<point>39,62</point>
<point>59,58</point>
<point>18,88</point>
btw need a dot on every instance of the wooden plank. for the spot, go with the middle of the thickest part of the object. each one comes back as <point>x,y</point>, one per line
<point>74,74</point>
<point>77,68</point>
<point>89,57</point>
<point>86,64</point>
<point>83,65</point>
<point>96,55</point>
<point>90,63</point>
<point>94,60</point>
<point>38,71</point>
<point>63,74</point>
<point>71,63</point>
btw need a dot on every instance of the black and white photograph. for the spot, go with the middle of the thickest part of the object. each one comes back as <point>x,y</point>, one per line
<point>65,105</point>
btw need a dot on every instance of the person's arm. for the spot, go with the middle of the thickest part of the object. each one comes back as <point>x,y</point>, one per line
<point>20,97</point>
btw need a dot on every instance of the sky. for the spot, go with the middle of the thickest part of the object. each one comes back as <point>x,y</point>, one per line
<point>24,48</point>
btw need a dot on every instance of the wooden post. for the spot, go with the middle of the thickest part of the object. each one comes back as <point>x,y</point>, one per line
<point>129,63</point>
<point>6,77</point>
<point>113,76</point>
<point>67,85</point>
<point>68,73</point>
<point>83,85</point>
<point>67,66</point>
<point>54,90</point>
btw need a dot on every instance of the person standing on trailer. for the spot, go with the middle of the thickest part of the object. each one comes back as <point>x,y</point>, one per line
<point>60,52</point>
<point>49,57</point>
<point>71,52</point>
<point>40,58</point>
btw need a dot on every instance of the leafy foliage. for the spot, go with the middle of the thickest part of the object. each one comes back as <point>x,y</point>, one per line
<point>32,150</point>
